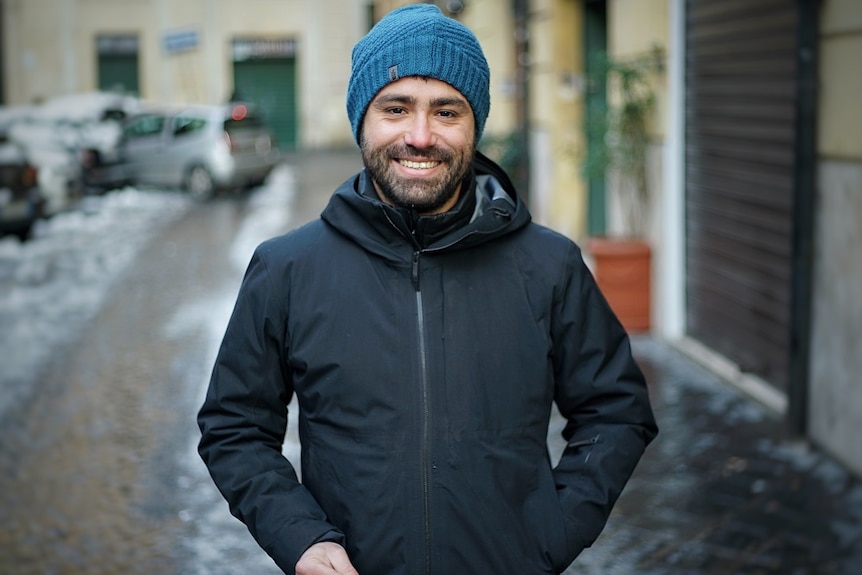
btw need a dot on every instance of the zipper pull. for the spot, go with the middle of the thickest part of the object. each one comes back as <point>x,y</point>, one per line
<point>416,255</point>
<point>585,442</point>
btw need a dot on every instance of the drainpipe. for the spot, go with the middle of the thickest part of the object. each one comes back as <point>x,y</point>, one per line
<point>671,260</point>
<point>522,62</point>
<point>803,215</point>
<point>3,66</point>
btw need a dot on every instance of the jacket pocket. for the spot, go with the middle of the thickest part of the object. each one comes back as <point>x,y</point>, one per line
<point>573,543</point>
<point>543,517</point>
<point>505,485</point>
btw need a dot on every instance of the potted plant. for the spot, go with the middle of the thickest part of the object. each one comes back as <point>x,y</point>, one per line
<point>622,261</point>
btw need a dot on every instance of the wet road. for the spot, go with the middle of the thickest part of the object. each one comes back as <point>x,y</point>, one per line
<point>98,469</point>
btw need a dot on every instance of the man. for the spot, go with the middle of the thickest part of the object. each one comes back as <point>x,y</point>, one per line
<point>426,327</point>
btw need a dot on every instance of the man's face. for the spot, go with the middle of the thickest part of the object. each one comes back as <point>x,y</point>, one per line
<point>418,140</point>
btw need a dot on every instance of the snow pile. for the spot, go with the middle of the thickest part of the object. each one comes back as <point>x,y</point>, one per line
<point>11,115</point>
<point>54,133</point>
<point>56,282</point>
<point>87,106</point>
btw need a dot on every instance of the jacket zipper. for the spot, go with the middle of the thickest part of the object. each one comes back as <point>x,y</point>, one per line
<point>584,442</point>
<point>423,383</point>
<point>426,413</point>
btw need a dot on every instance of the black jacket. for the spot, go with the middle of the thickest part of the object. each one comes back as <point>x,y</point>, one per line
<point>425,354</point>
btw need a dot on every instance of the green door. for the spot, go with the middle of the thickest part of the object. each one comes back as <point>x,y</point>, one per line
<point>270,84</point>
<point>596,45</point>
<point>119,73</point>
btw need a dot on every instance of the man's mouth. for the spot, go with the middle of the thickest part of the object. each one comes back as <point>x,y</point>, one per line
<point>419,165</point>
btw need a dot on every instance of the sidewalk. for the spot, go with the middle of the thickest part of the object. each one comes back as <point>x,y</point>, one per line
<point>723,490</point>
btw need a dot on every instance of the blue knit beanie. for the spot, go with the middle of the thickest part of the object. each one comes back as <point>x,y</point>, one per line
<point>418,40</point>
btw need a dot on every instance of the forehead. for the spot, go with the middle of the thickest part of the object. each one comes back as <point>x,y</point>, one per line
<point>420,88</point>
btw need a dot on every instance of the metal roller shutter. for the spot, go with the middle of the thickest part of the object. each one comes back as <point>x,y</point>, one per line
<point>741,86</point>
<point>271,84</point>
<point>264,72</point>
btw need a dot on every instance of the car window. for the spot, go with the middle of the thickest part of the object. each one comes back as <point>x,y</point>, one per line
<point>184,125</point>
<point>144,126</point>
<point>115,115</point>
<point>247,122</point>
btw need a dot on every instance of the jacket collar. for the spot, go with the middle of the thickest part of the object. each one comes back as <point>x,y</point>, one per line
<point>489,207</point>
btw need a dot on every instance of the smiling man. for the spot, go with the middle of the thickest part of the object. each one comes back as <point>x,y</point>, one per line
<point>426,327</point>
<point>418,140</point>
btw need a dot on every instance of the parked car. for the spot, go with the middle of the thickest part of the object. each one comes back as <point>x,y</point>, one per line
<point>21,201</point>
<point>54,134</point>
<point>48,146</point>
<point>203,149</point>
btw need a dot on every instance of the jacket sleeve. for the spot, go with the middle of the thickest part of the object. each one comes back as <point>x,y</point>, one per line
<point>602,394</point>
<point>243,422</point>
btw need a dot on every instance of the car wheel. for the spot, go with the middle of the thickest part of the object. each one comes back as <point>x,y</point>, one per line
<point>200,184</point>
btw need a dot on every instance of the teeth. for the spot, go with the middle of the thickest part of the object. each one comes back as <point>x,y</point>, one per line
<point>418,165</point>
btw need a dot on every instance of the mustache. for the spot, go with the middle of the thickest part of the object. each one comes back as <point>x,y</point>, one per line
<point>433,153</point>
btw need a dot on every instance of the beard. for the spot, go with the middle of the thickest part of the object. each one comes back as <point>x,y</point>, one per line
<point>424,195</point>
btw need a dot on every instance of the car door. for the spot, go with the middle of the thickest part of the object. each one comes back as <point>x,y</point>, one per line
<point>187,145</point>
<point>143,150</point>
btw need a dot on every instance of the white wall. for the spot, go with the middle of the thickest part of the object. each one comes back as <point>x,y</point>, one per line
<point>835,397</point>
<point>835,386</point>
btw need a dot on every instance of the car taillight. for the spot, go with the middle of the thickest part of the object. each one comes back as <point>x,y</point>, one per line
<point>28,177</point>
<point>239,112</point>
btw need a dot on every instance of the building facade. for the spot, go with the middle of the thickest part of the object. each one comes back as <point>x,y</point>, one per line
<point>834,405</point>
<point>287,55</point>
<point>757,271</point>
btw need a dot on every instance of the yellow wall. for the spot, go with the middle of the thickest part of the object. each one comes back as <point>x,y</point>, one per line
<point>840,87</point>
<point>46,53</point>
<point>492,23</point>
<point>50,50</point>
<point>94,17</point>
<point>635,27</point>
<point>556,114</point>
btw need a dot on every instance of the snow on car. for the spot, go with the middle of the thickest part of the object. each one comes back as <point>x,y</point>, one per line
<point>56,135</point>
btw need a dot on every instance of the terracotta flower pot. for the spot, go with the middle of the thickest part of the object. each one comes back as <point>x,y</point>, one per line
<point>622,269</point>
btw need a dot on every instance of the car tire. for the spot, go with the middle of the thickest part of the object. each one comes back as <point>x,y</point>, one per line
<point>200,184</point>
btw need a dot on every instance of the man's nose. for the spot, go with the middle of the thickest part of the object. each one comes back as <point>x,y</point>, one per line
<point>419,133</point>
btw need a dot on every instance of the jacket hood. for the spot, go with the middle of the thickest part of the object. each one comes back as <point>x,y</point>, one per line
<point>489,209</point>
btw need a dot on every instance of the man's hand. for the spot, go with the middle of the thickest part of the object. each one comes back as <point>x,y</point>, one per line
<point>325,558</point>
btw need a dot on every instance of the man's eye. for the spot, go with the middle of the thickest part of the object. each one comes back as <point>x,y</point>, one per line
<point>446,113</point>
<point>396,111</point>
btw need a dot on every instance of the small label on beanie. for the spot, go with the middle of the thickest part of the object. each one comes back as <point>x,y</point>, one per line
<point>393,73</point>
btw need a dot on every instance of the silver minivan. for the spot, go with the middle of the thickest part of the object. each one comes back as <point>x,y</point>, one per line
<point>202,149</point>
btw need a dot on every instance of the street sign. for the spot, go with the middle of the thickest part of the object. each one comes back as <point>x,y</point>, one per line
<point>180,40</point>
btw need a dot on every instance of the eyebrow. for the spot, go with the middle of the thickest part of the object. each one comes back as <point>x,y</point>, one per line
<point>396,98</point>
